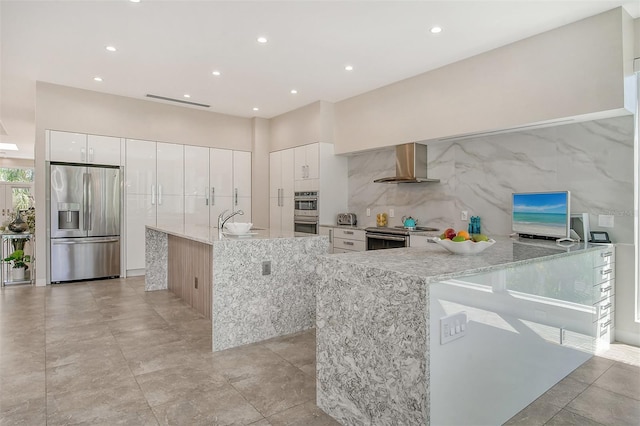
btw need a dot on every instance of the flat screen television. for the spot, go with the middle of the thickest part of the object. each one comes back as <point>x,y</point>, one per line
<point>542,214</point>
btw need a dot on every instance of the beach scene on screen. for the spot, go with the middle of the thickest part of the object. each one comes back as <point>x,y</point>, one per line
<point>542,214</point>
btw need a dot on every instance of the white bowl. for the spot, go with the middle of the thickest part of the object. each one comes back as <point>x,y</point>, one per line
<point>238,228</point>
<point>464,247</point>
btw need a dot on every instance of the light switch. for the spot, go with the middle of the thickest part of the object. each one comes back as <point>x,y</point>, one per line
<point>453,327</point>
<point>605,220</point>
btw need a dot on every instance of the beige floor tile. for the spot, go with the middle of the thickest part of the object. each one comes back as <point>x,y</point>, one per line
<point>148,321</point>
<point>567,418</point>
<point>606,407</point>
<point>160,357</point>
<point>244,362</point>
<point>536,414</point>
<point>133,341</point>
<point>219,407</point>
<point>29,412</point>
<point>280,388</point>
<point>15,389</point>
<point>62,353</point>
<point>70,335</point>
<point>591,370</point>
<point>176,383</point>
<point>624,380</point>
<point>564,392</point>
<point>89,374</point>
<point>307,414</point>
<point>299,349</point>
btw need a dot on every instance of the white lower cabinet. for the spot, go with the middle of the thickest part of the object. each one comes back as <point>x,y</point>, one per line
<point>348,240</point>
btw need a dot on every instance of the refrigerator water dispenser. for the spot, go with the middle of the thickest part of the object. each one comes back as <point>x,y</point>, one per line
<point>68,216</point>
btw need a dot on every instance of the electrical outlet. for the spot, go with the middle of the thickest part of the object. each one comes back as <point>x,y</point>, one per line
<point>464,215</point>
<point>453,327</point>
<point>266,267</point>
<point>368,212</point>
<point>392,213</point>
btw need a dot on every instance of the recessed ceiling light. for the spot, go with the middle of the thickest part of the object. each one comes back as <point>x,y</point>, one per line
<point>8,146</point>
<point>256,109</point>
<point>111,48</point>
<point>216,73</point>
<point>435,30</point>
<point>262,40</point>
<point>97,78</point>
<point>294,91</point>
<point>349,68</point>
<point>186,95</point>
<point>134,1</point>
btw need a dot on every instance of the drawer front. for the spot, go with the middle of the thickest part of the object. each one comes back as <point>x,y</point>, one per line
<point>604,327</point>
<point>351,234</point>
<point>604,273</point>
<point>604,257</point>
<point>604,307</point>
<point>353,245</point>
<point>338,250</point>
<point>603,290</point>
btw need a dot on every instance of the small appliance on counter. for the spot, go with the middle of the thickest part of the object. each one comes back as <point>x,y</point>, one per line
<point>347,219</point>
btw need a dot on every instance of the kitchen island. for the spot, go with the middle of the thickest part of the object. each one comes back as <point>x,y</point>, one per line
<point>422,336</point>
<point>253,287</point>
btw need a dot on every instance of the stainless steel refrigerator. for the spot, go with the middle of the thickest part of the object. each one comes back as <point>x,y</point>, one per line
<point>85,222</point>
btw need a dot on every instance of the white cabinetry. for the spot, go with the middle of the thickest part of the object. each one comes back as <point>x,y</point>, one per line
<point>154,186</point>
<point>307,167</point>
<point>220,182</point>
<point>82,148</point>
<point>281,170</point>
<point>348,240</point>
<point>242,185</point>
<point>328,231</point>
<point>196,188</point>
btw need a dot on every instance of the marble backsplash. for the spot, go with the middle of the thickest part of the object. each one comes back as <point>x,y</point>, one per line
<point>593,160</point>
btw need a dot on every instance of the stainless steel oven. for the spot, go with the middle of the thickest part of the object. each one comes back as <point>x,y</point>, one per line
<point>385,240</point>
<point>305,203</point>
<point>305,225</point>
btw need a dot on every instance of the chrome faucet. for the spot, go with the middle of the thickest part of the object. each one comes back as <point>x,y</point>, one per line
<point>222,220</point>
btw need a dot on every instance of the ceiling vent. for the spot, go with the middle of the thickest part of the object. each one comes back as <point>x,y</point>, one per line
<point>164,98</point>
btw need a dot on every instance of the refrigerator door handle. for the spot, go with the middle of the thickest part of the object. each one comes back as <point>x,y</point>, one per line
<point>153,195</point>
<point>83,241</point>
<point>85,201</point>
<point>89,202</point>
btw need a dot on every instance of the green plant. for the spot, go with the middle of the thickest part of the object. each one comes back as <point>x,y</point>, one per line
<point>18,259</point>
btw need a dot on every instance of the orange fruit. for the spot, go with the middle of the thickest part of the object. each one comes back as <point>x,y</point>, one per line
<point>464,234</point>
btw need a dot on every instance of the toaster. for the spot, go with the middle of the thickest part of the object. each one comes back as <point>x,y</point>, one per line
<point>347,219</point>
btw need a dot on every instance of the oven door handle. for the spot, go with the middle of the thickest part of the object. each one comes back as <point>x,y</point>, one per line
<point>386,237</point>
<point>305,220</point>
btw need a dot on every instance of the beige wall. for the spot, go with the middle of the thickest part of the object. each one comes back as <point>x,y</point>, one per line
<point>76,110</point>
<point>571,71</point>
<point>294,128</point>
<point>17,163</point>
<point>260,173</point>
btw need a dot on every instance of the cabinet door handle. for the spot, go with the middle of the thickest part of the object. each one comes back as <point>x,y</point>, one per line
<point>91,154</point>
<point>347,243</point>
<point>605,307</point>
<point>83,154</point>
<point>153,195</point>
<point>606,324</point>
<point>606,289</point>
<point>213,195</point>
<point>330,235</point>
<point>159,194</point>
<point>607,254</point>
<point>348,232</point>
<point>236,196</point>
<point>606,271</point>
<point>206,197</point>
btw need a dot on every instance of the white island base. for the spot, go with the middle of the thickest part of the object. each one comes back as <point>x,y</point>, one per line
<point>253,288</point>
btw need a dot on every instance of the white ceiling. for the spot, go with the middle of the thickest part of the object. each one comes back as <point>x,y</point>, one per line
<point>170,48</point>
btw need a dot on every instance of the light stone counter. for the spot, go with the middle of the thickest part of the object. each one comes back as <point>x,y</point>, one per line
<point>374,325</point>
<point>249,304</point>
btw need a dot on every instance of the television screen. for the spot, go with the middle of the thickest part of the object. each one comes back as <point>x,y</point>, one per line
<point>542,214</point>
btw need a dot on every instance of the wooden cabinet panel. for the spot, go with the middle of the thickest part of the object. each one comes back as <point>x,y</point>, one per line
<point>190,273</point>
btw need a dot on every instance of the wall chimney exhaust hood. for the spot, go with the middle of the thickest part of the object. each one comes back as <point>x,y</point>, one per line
<point>411,165</point>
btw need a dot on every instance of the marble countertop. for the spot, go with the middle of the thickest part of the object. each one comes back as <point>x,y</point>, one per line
<point>435,263</point>
<point>210,235</point>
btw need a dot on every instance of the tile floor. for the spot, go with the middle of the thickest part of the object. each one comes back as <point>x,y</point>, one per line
<point>106,352</point>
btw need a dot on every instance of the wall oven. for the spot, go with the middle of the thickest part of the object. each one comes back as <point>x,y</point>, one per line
<point>305,214</point>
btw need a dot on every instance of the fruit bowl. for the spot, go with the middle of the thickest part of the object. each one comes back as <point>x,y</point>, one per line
<point>464,247</point>
<point>238,228</point>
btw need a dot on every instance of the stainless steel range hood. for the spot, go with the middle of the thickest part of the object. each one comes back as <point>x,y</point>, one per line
<point>411,165</point>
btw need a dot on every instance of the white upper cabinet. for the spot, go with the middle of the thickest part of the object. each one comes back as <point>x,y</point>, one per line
<point>170,169</point>
<point>196,188</point>
<point>220,183</point>
<point>307,159</point>
<point>140,169</point>
<point>81,148</point>
<point>242,185</point>
<point>281,182</point>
